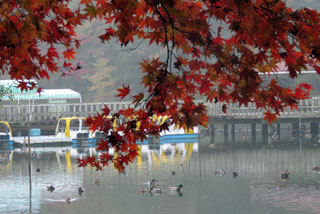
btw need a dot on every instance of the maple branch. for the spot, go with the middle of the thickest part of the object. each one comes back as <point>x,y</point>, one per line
<point>168,47</point>
<point>173,33</point>
<point>164,21</point>
<point>269,19</point>
<point>132,49</point>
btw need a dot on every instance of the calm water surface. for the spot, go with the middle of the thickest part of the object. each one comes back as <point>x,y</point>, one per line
<point>257,189</point>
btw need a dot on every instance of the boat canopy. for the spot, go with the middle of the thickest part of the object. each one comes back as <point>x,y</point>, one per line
<point>17,94</point>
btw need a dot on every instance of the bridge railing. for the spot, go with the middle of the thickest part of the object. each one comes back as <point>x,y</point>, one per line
<point>307,107</point>
<point>43,112</point>
<point>47,112</point>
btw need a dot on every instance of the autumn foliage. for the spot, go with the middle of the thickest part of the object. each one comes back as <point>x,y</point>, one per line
<point>217,49</point>
<point>36,38</point>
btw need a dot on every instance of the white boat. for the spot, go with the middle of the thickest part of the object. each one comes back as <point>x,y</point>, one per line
<point>68,129</point>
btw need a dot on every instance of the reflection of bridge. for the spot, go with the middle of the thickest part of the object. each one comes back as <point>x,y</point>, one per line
<point>165,153</point>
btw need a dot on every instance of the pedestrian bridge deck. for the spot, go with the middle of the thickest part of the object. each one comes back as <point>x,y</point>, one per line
<point>43,113</point>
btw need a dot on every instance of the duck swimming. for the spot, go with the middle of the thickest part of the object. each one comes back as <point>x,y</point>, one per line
<point>153,183</point>
<point>80,190</point>
<point>155,191</point>
<point>143,190</point>
<point>316,168</point>
<point>68,200</point>
<point>220,172</point>
<point>285,174</point>
<point>50,188</point>
<point>97,182</point>
<point>175,188</point>
<point>234,174</point>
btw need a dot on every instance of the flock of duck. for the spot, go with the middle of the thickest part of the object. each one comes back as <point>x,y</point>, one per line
<point>221,172</point>
<point>283,175</point>
<point>81,190</point>
<point>153,184</point>
<point>155,190</point>
<point>173,190</point>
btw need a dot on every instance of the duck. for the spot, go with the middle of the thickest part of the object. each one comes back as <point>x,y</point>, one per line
<point>97,182</point>
<point>153,183</point>
<point>285,174</point>
<point>175,188</point>
<point>80,190</point>
<point>316,168</point>
<point>234,174</point>
<point>51,188</point>
<point>143,190</point>
<point>68,200</point>
<point>220,172</point>
<point>155,191</point>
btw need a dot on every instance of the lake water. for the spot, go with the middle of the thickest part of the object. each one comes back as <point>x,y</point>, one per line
<point>257,189</point>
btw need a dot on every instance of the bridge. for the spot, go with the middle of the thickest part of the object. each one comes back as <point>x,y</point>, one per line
<point>47,115</point>
<point>51,112</point>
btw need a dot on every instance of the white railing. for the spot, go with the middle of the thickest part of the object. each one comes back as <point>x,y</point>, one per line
<point>47,112</point>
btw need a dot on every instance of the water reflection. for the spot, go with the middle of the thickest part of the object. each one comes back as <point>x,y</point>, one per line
<point>257,188</point>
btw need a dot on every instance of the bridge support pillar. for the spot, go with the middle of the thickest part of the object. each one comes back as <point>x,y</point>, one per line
<point>279,130</point>
<point>295,129</point>
<point>253,133</point>
<point>314,129</point>
<point>211,134</point>
<point>265,133</point>
<point>226,133</point>
<point>233,133</point>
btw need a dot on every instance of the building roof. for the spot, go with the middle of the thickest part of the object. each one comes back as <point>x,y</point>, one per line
<point>17,94</point>
<point>47,94</point>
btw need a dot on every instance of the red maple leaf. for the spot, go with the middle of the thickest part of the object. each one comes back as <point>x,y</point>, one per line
<point>271,117</point>
<point>124,91</point>
<point>69,54</point>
